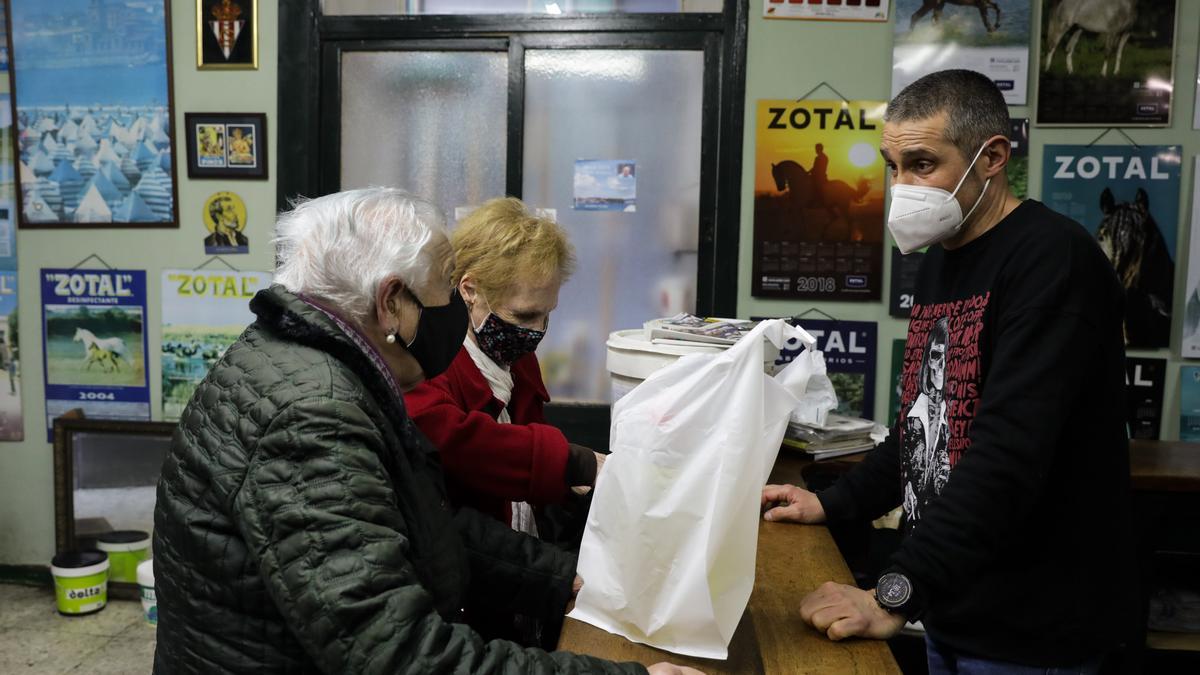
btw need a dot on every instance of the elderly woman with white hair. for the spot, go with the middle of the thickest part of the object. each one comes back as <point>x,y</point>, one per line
<point>301,523</point>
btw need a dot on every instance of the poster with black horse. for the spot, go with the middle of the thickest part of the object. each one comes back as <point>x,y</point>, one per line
<point>818,200</point>
<point>1128,197</point>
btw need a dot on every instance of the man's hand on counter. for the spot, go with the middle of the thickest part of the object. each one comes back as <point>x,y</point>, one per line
<point>842,611</point>
<point>790,504</point>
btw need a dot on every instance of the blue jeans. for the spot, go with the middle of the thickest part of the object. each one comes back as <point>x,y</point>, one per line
<point>945,661</point>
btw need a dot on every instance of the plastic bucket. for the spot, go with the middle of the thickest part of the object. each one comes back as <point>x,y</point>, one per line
<point>126,549</point>
<point>80,582</point>
<point>632,357</point>
<point>145,579</point>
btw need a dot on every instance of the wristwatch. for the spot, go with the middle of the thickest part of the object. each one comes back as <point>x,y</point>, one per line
<point>894,593</point>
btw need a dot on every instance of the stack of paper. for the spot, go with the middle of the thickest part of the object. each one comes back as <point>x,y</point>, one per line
<point>840,435</point>
<point>688,329</point>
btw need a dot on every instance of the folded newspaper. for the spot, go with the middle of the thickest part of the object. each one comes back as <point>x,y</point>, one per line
<point>687,328</point>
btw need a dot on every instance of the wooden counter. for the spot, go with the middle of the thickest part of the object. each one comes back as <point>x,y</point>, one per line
<point>1164,466</point>
<point>792,561</point>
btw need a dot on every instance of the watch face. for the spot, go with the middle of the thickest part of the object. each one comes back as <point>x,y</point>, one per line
<point>893,590</point>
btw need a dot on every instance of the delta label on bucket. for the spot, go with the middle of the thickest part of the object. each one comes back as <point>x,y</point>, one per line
<point>80,582</point>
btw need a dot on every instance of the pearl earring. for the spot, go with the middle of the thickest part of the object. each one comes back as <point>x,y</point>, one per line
<point>391,338</point>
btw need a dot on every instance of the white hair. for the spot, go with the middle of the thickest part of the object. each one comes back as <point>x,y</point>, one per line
<point>339,248</point>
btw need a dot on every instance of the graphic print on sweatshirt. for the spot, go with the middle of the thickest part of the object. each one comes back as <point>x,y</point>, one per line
<point>941,385</point>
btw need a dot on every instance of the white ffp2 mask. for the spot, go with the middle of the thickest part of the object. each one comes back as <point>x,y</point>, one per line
<point>921,216</point>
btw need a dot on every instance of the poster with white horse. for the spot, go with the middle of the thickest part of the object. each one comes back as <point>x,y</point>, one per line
<point>94,343</point>
<point>1107,63</point>
<point>990,37</point>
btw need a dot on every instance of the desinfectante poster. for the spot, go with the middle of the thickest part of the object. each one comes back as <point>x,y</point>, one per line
<point>94,343</point>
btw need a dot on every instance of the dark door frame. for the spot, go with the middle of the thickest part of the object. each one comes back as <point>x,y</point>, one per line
<point>308,140</point>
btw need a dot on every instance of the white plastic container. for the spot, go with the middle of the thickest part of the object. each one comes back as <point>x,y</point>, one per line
<point>145,580</point>
<point>632,357</point>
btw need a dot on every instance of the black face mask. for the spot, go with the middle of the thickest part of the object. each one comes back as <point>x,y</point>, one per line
<point>440,333</point>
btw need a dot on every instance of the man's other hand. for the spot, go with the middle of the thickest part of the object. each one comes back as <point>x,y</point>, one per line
<point>840,611</point>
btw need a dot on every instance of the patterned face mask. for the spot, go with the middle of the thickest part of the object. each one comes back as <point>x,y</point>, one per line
<point>505,342</point>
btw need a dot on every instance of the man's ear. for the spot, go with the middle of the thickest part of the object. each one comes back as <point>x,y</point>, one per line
<point>996,154</point>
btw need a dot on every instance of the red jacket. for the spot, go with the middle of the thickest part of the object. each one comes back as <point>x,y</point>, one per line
<point>488,465</point>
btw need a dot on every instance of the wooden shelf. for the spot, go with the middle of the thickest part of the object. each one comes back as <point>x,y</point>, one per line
<point>1183,642</point>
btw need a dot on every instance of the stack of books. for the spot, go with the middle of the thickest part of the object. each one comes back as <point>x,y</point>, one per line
<point>686,329</point>
<point>840,435</point>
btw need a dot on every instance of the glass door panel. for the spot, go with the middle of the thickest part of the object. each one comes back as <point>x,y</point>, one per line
<point>433,123</point>
<point>612,143</point>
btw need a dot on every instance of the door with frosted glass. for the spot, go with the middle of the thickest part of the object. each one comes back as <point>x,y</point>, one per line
<point>429,121</point>
<point>608,139</point>
<point>612,143</point>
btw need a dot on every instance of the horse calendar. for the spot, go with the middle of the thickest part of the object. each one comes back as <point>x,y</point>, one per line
<point>1128,198</point>
<point>94,349</point>
<point>819,190</point>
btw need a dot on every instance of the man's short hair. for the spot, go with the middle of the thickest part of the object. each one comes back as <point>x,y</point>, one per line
<point>975,108</point>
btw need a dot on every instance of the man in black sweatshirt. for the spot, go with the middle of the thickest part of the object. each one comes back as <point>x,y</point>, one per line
<point>1010,456</point>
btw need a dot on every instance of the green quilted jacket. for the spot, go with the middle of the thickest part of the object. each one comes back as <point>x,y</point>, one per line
<point>302,525</point>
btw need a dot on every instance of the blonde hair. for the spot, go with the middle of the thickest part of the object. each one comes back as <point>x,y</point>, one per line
<point>503,241</point>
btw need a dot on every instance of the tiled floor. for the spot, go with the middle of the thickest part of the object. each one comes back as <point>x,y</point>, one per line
<point>34,638</point>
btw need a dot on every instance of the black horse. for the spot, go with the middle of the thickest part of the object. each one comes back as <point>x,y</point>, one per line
<point>1135,246</point>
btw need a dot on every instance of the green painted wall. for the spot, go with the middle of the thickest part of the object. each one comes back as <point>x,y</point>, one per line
<point>788,58</point>
<point>785,60</point>
<point>26,468</point>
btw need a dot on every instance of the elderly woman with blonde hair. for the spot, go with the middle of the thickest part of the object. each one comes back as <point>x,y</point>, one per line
<point>301,524</point>
<point>485,413</point>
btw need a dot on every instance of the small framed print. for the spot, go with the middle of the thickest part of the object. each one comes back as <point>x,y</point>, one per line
<point>226,145</point>
<point>227,34</point>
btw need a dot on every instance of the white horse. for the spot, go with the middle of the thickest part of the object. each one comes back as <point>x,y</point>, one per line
<point>102,349</point>
<point>1113,19</point>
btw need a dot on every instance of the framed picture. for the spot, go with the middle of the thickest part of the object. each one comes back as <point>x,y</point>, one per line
<point>93,115</point>
<point>226,145</point>
<point>227,34</point>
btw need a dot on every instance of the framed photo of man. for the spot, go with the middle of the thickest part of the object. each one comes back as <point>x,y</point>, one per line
<point>226,145</point>
<point>227,34</point>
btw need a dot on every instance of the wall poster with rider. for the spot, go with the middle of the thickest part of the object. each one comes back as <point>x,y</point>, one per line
<point>818,200</point>
<point>1107,63</point>
<point>990,37</point>
<point>94,343</point>
<point>203,312</point>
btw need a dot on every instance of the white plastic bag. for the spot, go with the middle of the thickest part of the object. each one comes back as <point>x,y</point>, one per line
<point>669,551</point>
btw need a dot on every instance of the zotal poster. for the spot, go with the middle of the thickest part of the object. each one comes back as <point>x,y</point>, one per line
<point>1189,403</point>
<point>12,421</point>
<point>1128,198</point>
<point>818,200</point>
<point>990,38</point>
<point>850,350</point>
<point>1107,63</point>
<point>1190,345</point>
<point>202,314</point>
<point>1144,380</point>
<point>94,351</point>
